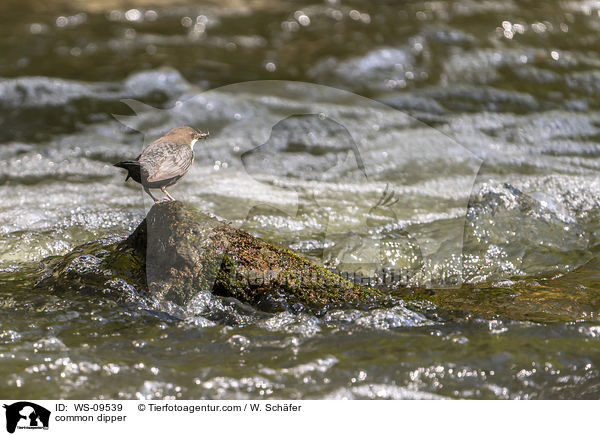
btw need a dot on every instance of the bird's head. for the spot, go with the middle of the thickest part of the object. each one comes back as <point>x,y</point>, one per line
<point>185,134</point>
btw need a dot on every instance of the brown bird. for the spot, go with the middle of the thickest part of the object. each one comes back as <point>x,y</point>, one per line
<point>164,161</point>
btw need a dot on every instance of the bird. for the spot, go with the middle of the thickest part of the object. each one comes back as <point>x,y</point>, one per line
<point>163,162</point>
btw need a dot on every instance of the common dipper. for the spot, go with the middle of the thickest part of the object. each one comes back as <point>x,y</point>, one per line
<point>164,161</point>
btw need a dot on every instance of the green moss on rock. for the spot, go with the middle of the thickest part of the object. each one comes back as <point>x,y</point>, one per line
<point>187,251</point>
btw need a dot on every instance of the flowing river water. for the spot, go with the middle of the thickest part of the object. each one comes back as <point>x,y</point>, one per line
<point>456,142</point>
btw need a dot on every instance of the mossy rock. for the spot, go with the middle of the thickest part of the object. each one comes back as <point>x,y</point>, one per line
<point>177,252</point>
<point>550,298</point>
<point>187,251</point>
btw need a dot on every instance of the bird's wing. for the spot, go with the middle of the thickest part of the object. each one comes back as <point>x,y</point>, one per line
<point>166,160</point>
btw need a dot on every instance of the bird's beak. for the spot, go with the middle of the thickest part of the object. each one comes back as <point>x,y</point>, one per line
<point>202,135</point>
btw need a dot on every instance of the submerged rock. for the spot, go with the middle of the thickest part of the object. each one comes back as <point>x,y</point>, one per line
<point>178,252</point>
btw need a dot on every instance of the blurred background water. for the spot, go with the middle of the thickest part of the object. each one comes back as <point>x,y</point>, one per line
<point>488,146</point>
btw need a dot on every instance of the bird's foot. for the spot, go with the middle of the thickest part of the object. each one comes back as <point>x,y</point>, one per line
<point>164,200</point>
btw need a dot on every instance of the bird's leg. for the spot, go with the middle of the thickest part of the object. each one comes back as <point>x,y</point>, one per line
<point>164,189</point>
<point>156,200</point>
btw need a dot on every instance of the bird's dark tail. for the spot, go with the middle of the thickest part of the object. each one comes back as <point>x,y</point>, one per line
<point>132,167</point>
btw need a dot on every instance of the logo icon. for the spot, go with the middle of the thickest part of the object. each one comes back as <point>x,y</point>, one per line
<point>26,415</point>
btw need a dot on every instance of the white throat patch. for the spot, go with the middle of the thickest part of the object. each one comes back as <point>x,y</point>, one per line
<point>193,142</point>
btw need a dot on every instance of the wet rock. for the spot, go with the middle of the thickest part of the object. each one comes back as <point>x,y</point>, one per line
<point>549,298</point>
<point>178,252</point>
